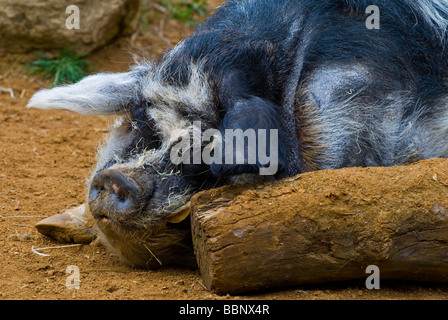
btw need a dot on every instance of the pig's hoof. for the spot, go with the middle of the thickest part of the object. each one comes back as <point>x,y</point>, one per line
<point>71,226</point>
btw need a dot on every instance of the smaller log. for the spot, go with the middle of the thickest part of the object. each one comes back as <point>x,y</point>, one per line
<point>324,226</point>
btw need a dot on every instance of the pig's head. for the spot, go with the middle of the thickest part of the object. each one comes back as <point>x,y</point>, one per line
<point>137,196</point>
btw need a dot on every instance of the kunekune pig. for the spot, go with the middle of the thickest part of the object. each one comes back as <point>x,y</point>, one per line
<point>336,92</point>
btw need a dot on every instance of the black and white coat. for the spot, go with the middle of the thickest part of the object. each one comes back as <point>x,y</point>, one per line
<point>340,94</point>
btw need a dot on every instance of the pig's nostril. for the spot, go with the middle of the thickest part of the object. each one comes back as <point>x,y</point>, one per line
<point>121,193</point>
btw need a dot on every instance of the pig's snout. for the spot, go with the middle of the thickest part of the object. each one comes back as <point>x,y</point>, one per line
<point>113,195</point>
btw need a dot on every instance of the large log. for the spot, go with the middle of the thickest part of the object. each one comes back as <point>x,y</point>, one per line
<point>324,226</point>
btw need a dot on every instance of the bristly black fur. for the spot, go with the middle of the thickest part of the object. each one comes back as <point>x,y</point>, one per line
<point>261,38</point>
<point>263,46</point>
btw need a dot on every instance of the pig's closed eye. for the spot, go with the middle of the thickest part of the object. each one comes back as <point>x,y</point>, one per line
<point>142,141</point>
<point>146,143</point>
<point>145,128</point>
<point>154,143</point>
<point>152,138</point>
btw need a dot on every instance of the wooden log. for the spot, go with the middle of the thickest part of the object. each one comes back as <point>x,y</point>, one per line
<point>324,226</point>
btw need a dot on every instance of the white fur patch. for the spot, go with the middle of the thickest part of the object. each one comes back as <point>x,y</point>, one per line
<point>170,123</point>
<point>195,96</point>
<point>113,145</point>
<point>168,102</point>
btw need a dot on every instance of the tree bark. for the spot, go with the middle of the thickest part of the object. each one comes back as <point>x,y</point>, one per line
<point>324,226</point>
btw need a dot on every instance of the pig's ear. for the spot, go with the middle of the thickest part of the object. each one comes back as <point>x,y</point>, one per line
<point>100,94</point>
<point>256,117</point>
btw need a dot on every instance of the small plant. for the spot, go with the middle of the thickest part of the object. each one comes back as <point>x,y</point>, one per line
<point>188,11</point>
<point>67,68</point>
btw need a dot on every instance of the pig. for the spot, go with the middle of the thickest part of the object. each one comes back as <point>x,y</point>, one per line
<point>320,84</point>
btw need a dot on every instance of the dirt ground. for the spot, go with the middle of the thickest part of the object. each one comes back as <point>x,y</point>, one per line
<point>45,157</point>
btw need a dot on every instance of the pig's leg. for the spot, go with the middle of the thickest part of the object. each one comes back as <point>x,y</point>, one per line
<point>72,226</point>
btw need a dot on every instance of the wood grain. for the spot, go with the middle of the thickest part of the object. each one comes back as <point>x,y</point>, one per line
<point>324,226</point>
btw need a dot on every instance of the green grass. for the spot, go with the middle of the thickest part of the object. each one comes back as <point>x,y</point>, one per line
<point>188,11</point>
<point>67,68</point>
